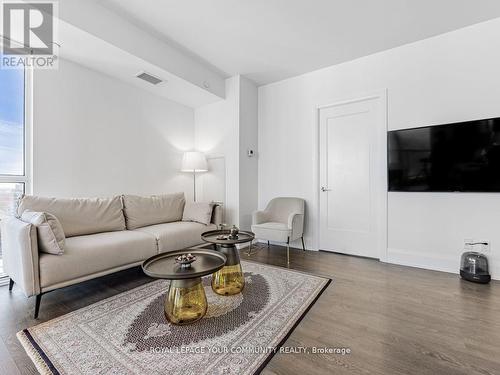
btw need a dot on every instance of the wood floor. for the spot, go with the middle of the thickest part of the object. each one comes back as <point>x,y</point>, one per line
<point>395,320</point>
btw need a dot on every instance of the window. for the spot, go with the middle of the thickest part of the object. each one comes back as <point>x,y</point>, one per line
<point>12,122</point>
<point>14,169</point>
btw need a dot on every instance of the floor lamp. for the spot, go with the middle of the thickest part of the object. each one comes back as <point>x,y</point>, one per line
<point>194,162</point>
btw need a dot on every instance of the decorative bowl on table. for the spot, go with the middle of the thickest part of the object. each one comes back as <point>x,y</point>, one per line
<point>185,260</point>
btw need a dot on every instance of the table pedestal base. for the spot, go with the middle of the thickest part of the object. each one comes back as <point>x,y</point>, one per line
<point>230,279</point>
<point>186,301</point>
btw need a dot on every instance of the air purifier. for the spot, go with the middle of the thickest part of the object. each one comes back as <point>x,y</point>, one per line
<point>474,267</point>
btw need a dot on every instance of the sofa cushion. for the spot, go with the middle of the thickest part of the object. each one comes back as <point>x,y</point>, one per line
<point>86,255</point>
<point>177,235</point>
<point>79,216</point>
<point>198,212</point>
<point>51,236</point>
<point>144,211</point>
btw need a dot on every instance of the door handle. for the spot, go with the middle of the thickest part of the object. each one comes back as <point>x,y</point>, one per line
<point>323,189</point>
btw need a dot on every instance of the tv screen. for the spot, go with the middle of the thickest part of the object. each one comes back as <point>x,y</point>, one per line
<point>463,157</point>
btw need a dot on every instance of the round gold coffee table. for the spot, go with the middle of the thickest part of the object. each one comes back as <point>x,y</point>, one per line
<point>230,279</point>
<point>186,301</point>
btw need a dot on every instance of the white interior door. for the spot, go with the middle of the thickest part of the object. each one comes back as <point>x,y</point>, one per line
<point>353,177</point>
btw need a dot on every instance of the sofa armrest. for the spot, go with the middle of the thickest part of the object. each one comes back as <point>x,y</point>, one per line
<point>296,224</point>
<point>217,215</point>
<point>259,217</point>
<point>20,254</point>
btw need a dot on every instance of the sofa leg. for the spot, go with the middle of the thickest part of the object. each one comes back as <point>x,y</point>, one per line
<point>303,246</point>
<point>11,284</point>
<point>37,304</point>
<point>288,251</point>
<point>268,244</point>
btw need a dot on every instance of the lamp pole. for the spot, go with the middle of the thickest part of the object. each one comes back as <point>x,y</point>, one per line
<point>193,162</point>
<point>194,185</point>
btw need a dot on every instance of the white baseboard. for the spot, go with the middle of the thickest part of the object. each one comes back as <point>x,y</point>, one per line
<point>448,263</point>
<point>430,262</point>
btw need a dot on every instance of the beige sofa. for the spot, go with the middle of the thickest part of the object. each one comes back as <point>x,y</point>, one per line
<point>102,236</point>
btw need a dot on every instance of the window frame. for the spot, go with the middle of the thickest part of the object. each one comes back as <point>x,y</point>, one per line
<point>26,178</point>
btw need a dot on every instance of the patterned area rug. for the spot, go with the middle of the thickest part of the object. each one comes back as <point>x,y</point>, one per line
<point>128,333</point>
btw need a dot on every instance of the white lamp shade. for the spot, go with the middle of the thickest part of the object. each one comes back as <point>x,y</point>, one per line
<point>194,161</point>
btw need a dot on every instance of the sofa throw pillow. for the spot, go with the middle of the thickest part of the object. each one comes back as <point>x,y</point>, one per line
<point>50,232</point>
<point>198,212</point>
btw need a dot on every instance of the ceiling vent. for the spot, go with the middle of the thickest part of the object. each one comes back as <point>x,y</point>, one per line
<point>149,78</point>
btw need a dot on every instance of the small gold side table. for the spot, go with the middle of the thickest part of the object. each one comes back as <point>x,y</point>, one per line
<point>186,301</point>
<point>230,279</point>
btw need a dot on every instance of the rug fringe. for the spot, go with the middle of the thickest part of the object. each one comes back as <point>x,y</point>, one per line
<point>34,355</point>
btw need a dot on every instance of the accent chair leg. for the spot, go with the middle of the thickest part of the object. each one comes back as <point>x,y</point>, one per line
<point>11,284</point>
<point>37,304</point>
<point>288,251</point>
<point>267,243</point>
<point>303,246</point>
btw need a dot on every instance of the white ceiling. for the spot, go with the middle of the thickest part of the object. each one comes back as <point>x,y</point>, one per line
<point>99,39</point>
<point>269,40</point>
<point>95,53</point>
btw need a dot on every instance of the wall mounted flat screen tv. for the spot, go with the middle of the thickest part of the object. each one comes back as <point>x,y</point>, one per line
<point>459,157</point>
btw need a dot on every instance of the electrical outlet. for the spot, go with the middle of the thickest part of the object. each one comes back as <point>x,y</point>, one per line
<point>485,247</point>
<point>481,246</point>
<point>467,244</point>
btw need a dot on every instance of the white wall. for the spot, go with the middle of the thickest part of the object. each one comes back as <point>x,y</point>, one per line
<point>217,134</point>
<point>96,136</point>
<point>248,140</point>
<point>448,78</point>
<point>228,128</point>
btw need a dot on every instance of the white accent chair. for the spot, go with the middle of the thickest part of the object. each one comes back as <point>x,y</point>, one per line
<point>281,221</point>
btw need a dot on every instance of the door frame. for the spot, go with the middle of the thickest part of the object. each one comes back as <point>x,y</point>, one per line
<point>381,137</point>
